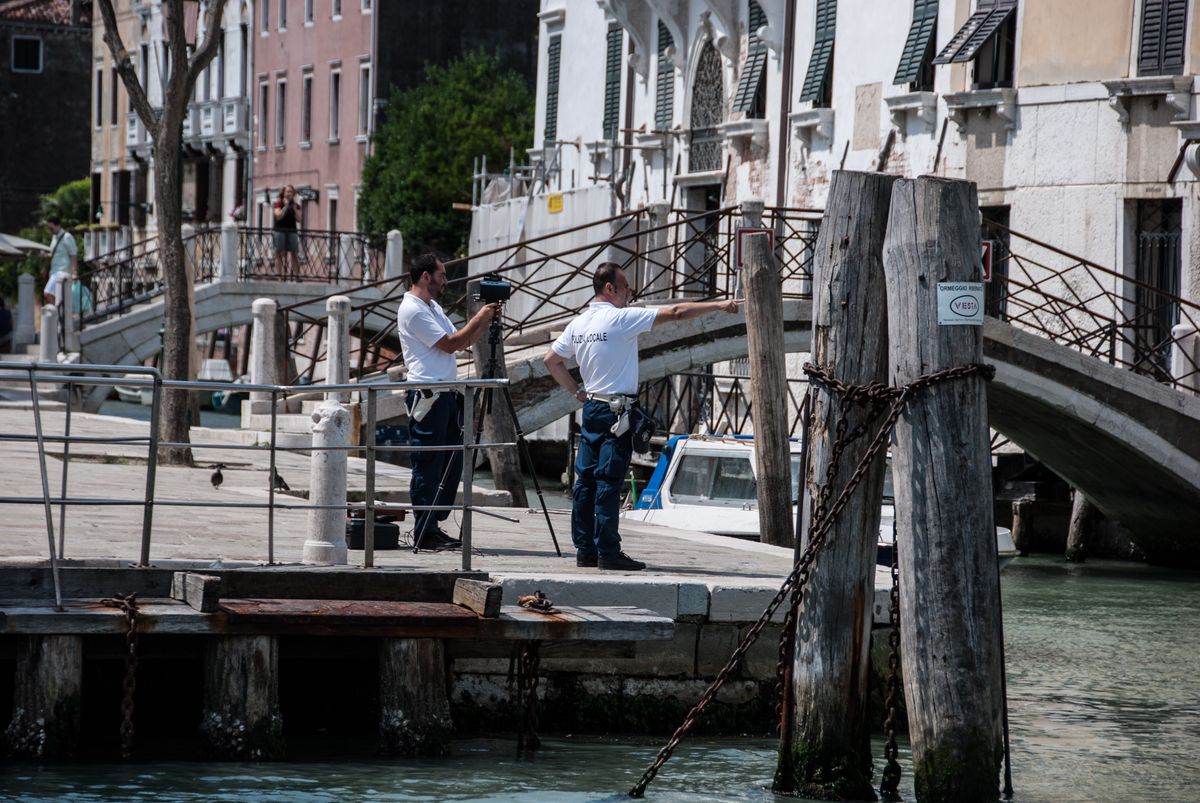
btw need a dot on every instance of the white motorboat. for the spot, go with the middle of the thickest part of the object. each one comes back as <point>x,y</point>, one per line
<point>707,484</point>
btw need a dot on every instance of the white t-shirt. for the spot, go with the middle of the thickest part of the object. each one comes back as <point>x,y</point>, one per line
<point>603,341</point>
<point>62,246</point>
<point>421,325</point>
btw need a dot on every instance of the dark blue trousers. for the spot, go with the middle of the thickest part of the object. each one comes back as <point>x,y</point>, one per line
<point>441,426</point>
<point>600,465</point>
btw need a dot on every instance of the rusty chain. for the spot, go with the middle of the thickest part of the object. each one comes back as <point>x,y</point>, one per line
<point>890,783</point>
<point>128,605</point>
<point>877,396</point>
<point>527,685</point>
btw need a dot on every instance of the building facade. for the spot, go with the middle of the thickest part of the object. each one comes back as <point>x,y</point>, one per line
<point>1077,119</point>
<point>44,106</point>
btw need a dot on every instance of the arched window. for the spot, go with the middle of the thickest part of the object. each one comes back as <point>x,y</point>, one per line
<point>708,112</point>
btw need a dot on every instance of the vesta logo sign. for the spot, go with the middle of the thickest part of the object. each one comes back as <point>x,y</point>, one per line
<point>964,305</point>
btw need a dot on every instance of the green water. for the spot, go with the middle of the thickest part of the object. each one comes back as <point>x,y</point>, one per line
<point>1103,694</point>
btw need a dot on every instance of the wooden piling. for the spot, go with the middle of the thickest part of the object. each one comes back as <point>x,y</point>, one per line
<point>241,719</point>
<point>1083,517</point>
<point>768,386</point>
<point>46,698</point>
<point>830,754</point>
<point>950,622</point>
<point>414,715</point>
<point>1022,525</point>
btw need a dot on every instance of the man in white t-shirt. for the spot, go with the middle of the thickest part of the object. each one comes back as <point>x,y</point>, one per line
<point>603,341</point>
<point>64,262</point>
<point>429,340</point>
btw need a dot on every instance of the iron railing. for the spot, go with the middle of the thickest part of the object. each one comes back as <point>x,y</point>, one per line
<point>44,377</point>
<point>711,403</point>
<point>324,256</point>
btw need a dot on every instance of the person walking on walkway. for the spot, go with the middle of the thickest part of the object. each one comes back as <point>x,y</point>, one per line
<point>428,341</point>
<point>603,342</point>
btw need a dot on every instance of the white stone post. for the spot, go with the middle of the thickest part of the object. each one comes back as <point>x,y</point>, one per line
<point>262,351</point>
<point>229,251</point>
<point>394,263</point>
<point>345,256</point>
<point>337,364</point>
<point>326,544</point>
<point>48,345</point>
<point>70,342</point>
<point>23,334</point>
<point>1185,356</point>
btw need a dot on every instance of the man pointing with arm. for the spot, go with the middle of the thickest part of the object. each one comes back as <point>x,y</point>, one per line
<point>603,341</point>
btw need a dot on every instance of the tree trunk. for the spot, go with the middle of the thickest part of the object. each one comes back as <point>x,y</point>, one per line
<point>831,751</point>
<point>949,616</point>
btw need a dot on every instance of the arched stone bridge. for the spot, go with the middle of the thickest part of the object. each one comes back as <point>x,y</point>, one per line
<point>1130,444</point>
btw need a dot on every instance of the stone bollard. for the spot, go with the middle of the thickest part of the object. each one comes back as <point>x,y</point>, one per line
<point>262,347</point>
<point>326,544</point>
<point>48,345</point>
<point>229,251</point>
<point>70,324</point>
<point>393,265</point>
<point>23,334</point>
<point>337,364</point>
<point>345,257</point>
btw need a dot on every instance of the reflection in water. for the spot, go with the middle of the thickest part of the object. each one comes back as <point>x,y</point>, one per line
<point>1102,663</point>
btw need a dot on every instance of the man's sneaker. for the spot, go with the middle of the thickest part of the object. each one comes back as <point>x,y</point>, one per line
<point>621,563</point>
<point>586,561</point>
<point>436,540</point>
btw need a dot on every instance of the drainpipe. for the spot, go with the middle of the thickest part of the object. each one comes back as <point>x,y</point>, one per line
<point>785,107</point>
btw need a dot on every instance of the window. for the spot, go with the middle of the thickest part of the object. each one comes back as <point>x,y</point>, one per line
<point>553,57</point>
<point>243,61</point>
<point>265,12</point>
<point>337,9</point>
<point>664,92</point>
<point>333,204</point>
<point>26,54</point>
<point>364,99</point>
<point>366,6</point>
<point>335,104</point>
<point>283,15</point>
<point>994,62</point>
<point>612,80</point>
<point>818,82</point>
<point>280,112</point>
<point>916,62</point>
<point>308,11</point>
<point>306,109</point>
<point>124,201</point>
<point>99,96</point>
<point>702,479</point>
<point>206,83</point>
<point>264,98</point>
<point>114,106</point>
<point>995,230</point>
<point>221,66</point>
<point>750,96</point>
<point>1157,271</point>
<point>1164,32</point>
<point>992,25</point>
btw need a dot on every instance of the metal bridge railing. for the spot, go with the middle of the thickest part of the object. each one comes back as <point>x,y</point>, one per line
<point>324,256</point>
<point>38,376</point>
<point>716,404</point>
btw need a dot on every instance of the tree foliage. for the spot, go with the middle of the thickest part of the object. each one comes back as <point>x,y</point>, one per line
<point>423,153</point>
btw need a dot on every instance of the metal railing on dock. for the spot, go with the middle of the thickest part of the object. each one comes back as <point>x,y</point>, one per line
<point>38,376</point>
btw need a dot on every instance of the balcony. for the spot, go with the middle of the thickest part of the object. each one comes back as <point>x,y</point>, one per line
<point>235,119</point>
<point>135,132</point>
<point>208,116</point>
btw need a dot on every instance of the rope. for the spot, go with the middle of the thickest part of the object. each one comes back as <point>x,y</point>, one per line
<point>825,514</point>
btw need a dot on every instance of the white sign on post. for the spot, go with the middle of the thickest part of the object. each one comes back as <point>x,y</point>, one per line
<point>960,303</point>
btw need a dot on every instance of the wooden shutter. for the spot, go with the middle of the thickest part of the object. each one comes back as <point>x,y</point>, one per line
<point>664,96</point>
<point>820,65</point>
<point>920,38</point>
<point>553,57</point>
<point>754,69</point>
<point>612,80</point>
<point>976,31</point>
<point>1164,34</point>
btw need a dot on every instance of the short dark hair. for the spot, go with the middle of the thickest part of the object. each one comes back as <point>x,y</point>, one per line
<point>426,263</point>
<point>605,274</point>
<point>55,219</point>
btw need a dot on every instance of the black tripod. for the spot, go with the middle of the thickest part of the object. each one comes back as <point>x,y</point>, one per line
<point>483,404</point>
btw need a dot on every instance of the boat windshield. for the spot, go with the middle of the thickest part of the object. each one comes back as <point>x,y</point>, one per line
<point>721,480</point>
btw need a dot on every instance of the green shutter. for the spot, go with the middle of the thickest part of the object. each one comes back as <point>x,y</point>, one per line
<point>820,65</point>
<point>1164,33</point>
<point>754,69</point>
<point>976,31</point>
<point>920,40</point>
<point>612,80</point>
<point>553,57</point>
<point>664,100</point>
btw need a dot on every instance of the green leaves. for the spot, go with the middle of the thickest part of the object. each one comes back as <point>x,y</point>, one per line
<point>424,151</point>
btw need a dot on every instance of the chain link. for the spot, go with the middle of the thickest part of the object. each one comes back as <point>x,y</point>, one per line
<point>877,397</point>
<point>890,784</point>
<point>531,660</point>
<point>128,605</point>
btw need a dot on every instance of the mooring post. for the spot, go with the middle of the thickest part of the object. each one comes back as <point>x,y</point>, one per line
<point>262,352</point>
<point>1022,525</point>
<point>831,749</point>
<point>48,344</point>
<point>241,720</point>
<point>768,384</point>
<point>70,325</point>
<point>414,708</point>
<point>326,544</point>
<point>949,583</point>
<point>46,698</point>
<point>229,252</point>
<point>345,266</point>
<point>1083,517</point>
<point>23,333</point>
<point>337,365</point>
<point>393,264</point>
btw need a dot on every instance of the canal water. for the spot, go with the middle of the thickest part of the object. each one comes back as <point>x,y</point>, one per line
<point>1104,698</point>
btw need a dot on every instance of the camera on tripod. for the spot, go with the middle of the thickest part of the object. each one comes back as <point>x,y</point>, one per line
<point>493,290</point>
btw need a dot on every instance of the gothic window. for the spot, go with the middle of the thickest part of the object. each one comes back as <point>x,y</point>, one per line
<point>708,112</point>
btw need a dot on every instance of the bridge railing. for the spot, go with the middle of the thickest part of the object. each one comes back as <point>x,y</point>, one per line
<point>323,256</point>
<point>712,403</point>
<point>1095,310</point>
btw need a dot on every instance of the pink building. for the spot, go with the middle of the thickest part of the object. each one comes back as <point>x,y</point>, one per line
<point>312,99</point>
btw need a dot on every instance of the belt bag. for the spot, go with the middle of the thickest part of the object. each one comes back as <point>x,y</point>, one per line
<point>425,400</point>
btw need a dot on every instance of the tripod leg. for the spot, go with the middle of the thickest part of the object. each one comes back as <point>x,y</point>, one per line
<point>524,447</point>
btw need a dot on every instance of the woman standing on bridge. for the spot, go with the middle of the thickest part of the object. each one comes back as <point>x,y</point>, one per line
<point>286,233</point>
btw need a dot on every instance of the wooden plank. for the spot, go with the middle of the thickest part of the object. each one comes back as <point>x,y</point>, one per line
<point>200,591</point>
<point>483,598</point>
